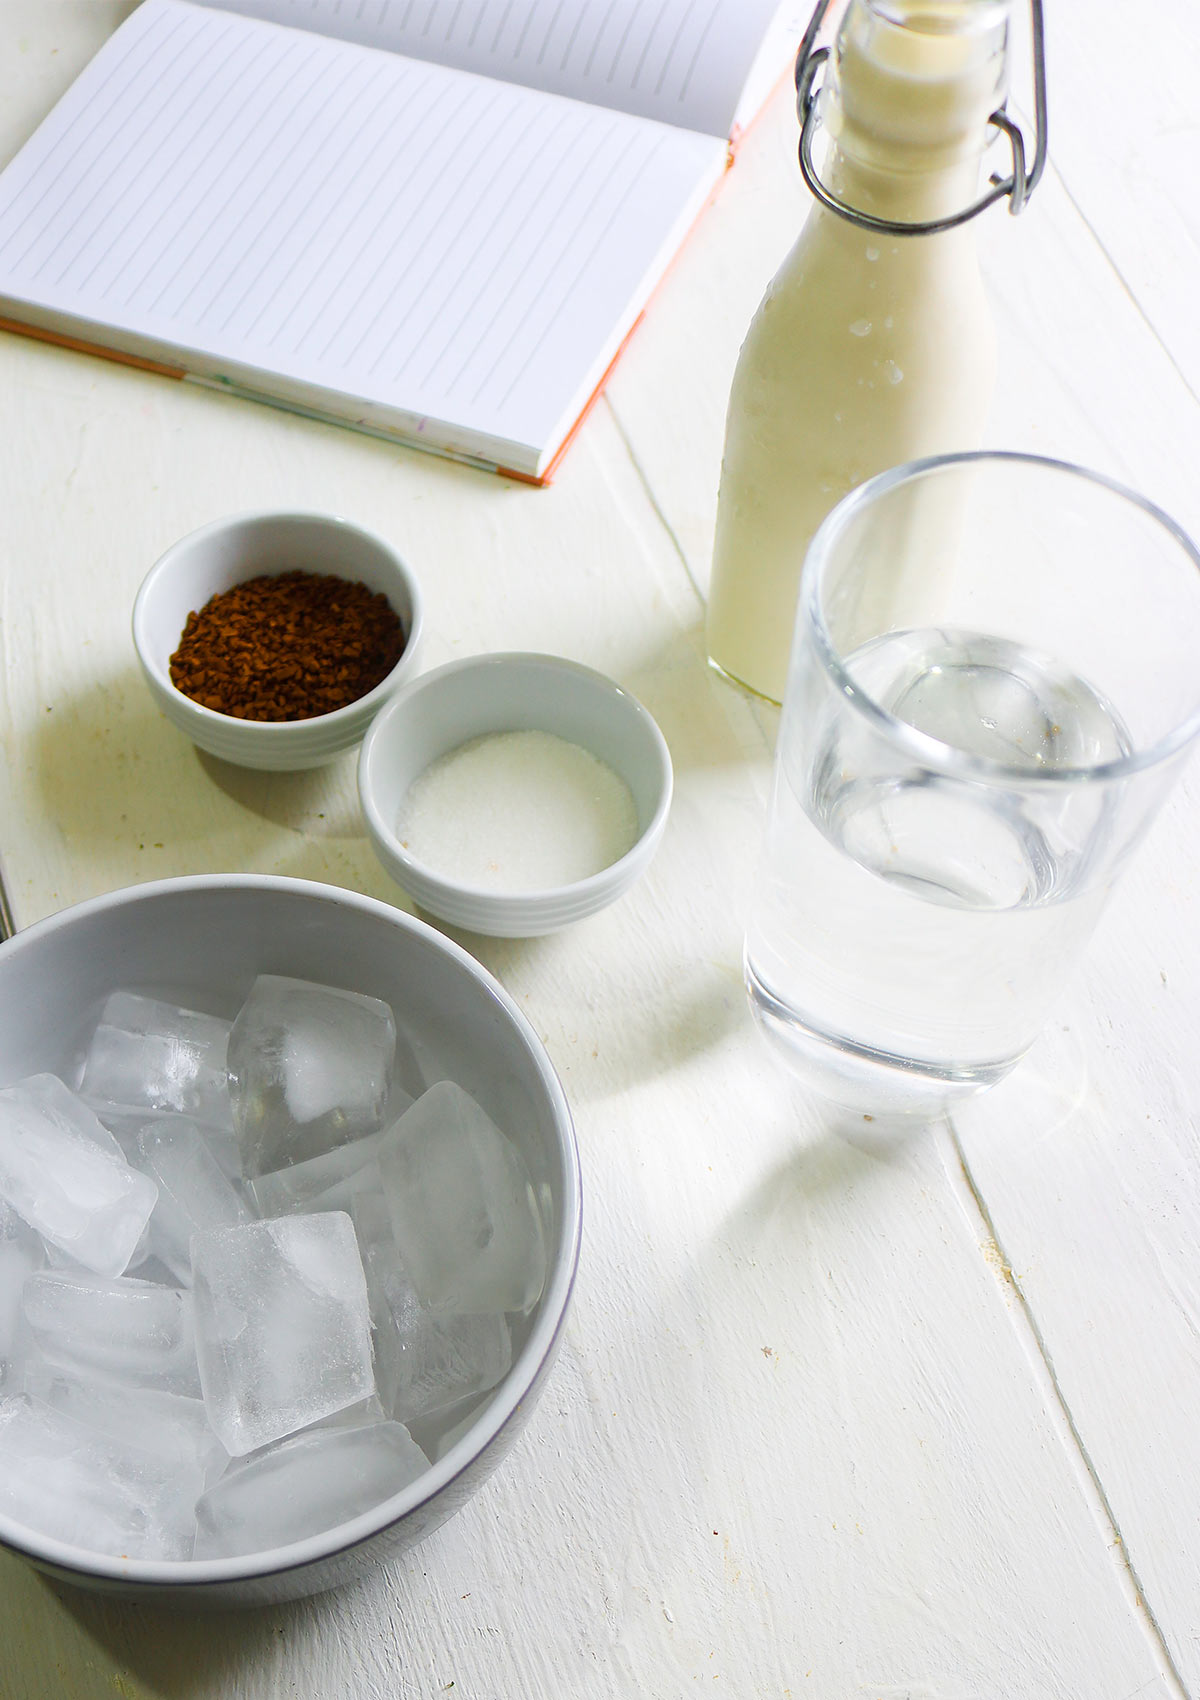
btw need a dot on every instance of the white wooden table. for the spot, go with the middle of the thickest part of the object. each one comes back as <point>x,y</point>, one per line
<point>839,1414</point>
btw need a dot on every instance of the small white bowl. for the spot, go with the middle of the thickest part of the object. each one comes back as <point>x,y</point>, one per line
<point>512,693</point>
<point>227,552</point>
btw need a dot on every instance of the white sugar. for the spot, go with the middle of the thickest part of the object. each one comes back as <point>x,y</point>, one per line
<point>518,811</point>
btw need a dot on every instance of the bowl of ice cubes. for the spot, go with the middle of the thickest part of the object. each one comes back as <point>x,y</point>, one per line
<point>289,1220</point>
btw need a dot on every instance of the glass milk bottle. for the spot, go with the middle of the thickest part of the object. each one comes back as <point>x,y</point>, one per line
<point>874,343</point>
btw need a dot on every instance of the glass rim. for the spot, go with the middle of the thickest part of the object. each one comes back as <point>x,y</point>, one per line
<point>923,746</point>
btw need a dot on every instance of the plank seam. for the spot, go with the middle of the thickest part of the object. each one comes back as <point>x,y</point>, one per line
<point>644,481</point>
<point>1041,1358</point>
<point>761,712</point>
<point>1121,279</point>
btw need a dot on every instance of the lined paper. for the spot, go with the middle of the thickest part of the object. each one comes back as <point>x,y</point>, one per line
<point>457,251</point>
<point>683,62</point>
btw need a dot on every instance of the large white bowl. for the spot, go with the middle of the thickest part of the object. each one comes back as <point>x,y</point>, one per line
<point>218,556</point>
<point>512,693</point>
<point>202,941</point>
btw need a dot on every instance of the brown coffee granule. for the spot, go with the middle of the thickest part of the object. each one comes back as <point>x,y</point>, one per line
<point>287,646</point>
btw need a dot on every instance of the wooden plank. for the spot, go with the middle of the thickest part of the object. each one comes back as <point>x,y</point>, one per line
<point>1088,1164</point>
<point>1089,1161</point>
<point>1090,1185</point>
<point>799,1439</point>
<point>1125,136</point>
<point>1085,376</point>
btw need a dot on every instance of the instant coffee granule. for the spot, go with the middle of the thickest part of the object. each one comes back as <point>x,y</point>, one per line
<point>287,646</point>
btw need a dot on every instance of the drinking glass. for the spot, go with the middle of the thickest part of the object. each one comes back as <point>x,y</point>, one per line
<point>994,680</point>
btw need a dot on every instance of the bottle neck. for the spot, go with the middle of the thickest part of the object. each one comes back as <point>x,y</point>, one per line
<point>906,106</point>
<point>907,197</point>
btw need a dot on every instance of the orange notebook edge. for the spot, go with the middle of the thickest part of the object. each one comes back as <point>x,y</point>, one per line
<point>60,339</point>
<point>102,351</point>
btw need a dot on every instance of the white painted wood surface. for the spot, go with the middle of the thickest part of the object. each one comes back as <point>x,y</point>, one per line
<point>838,1414</point>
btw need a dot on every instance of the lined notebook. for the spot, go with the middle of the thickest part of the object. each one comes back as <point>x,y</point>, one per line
<point>433,220</point>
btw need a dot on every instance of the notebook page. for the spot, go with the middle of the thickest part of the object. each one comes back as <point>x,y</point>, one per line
<point>428,243</point>
<point>776,58</point>
<point>682,62</point>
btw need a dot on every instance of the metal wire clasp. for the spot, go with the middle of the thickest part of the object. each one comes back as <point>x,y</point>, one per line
<point>1018,186</point>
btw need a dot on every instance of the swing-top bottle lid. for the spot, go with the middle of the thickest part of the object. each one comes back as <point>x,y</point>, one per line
<point>917,85</point>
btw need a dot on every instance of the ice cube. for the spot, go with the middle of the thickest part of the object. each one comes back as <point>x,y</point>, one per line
<point>462,1207</point>
<point>391,1295</point>
<point>170,1425</point>
<point>284,1192</point>
<point>154,1055</point>
<point>305,1485</point>
<point>341,1195</point>
<point>79,1485</point>
<point>310,1068</point>
<point>21,1252</point>
<point>451,1358</point>
<point>423,1362</point>
<point>368,1410</point>
<point>283,1332</point>
<point>122,1331</point>
<point>65,1174</point>
<point>192,1191</point>
<point>153,1270</point>
<point>445,1431</point>
<point>126,1123</point>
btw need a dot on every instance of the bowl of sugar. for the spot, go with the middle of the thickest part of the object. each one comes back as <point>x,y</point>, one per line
<point>289,1221</point>
<point>514,794</point>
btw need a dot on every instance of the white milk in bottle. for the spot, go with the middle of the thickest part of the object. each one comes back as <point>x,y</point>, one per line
<point>869,348</point>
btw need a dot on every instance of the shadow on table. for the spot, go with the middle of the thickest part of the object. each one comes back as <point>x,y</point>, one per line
<point>640,1016</point>
<point>1043,1095</point>
<point>843,1156</point>
<point>107,756</point>
<point>65,1641</point>
<point>95,748</point>
<point>174,1653</point>
<point>847,1150</point>
<point>132,799</point>
<point>116,778</point>
<point>707,720</point>
<point>321,802</point>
